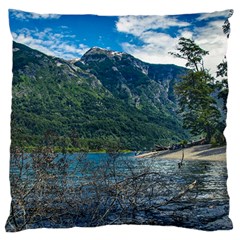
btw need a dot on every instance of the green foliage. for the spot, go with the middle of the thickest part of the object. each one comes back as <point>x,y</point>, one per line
<point>218,139</point>
<point>191,52</point>
<point>49,95</point>
<point>226,25</point>
<point>195,92</point>
<point>222,85</point>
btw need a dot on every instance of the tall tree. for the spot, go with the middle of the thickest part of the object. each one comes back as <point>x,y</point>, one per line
<point>222,85</point>
<point>197,106</point>
<point>192,53</point>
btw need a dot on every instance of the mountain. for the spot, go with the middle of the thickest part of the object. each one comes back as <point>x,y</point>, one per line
<point>104,98</point>
<point>131,79</point>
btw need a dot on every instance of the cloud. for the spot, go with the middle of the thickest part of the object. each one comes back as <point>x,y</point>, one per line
<point>212,39</point>
<point>208,16</point>
<point>156,39</point>
<point>153,54</point>
<point>155,45</point>
<point>155,49</point>
<point>20,15</point>
<point>52,43</point>
<point>136,25</point>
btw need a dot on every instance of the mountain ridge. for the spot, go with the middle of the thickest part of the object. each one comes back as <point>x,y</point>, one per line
<point>102,102</point>
<point>112,69</point>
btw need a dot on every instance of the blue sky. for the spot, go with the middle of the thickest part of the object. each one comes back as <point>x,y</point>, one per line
<point>148,38</point>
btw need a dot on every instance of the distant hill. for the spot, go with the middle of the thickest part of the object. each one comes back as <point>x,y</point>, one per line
<point>105,97</point>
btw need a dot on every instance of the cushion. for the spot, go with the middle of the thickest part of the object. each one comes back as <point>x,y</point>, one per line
<point>119,120</point>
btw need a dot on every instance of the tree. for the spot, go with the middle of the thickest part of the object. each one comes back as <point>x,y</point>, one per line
<point>191,52</point>
<point>222,85</point>
<point>197,105</point>
<point>226,25</point>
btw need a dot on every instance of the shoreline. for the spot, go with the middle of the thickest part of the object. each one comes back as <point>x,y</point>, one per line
<point>201,152</point>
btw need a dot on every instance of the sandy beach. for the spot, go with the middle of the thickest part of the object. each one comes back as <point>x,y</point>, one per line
<point>202,152</point>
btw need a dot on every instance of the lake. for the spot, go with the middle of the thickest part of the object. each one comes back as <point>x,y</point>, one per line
<point>98,189</point>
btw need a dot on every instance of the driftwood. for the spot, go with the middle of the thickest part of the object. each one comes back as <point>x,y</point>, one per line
<point>181,163</point>
<point>180,194</point>
<point>184,191</point>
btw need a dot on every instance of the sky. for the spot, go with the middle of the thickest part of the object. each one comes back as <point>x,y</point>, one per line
<point>149,38</point>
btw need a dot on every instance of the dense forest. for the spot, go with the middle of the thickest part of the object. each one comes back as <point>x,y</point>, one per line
<point>89,103</point>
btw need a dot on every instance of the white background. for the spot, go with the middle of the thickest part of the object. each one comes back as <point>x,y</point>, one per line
<point>123,7</point>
